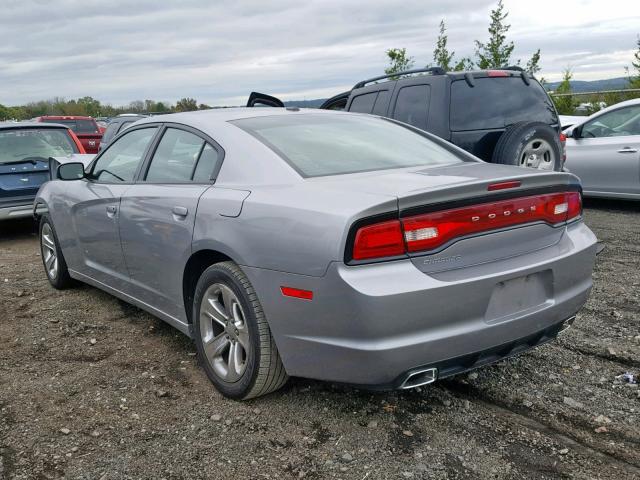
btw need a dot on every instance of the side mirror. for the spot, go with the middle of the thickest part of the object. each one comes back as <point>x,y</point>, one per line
<point>576,133</point>
<point>71,171</point>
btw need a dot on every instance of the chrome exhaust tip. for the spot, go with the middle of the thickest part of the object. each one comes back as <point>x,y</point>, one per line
<point>419,378</point>
<point>566,324</point>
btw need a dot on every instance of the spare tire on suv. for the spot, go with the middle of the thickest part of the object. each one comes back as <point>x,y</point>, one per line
<point>529,144</point>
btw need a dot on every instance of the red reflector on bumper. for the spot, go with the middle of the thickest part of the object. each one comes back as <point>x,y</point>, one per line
<point>297,293</point>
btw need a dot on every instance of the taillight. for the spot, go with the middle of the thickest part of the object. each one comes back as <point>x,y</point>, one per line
<point>379,240</point>
<point>429,231</point>
<point>563,145</point>
<point>497,73</point>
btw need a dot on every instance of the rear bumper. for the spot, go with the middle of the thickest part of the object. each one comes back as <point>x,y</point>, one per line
<point>17,211</point>
<point>372,324</point>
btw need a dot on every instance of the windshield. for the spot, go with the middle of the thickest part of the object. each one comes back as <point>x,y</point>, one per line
<point>320,144</point>
<point>34,144</point>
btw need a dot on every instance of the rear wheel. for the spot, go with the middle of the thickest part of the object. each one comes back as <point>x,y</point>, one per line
<point>54,264</point>
<point>529,144</point>
<point>233,339</point>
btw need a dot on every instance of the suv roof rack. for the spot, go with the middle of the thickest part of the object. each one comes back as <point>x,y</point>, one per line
<point>431,70</point>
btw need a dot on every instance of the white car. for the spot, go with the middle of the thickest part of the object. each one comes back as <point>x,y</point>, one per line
<point>604,151</point>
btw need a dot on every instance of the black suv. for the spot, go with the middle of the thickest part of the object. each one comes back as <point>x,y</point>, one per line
<point>501,116</point>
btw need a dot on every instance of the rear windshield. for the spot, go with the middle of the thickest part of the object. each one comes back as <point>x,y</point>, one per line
<point>78,126</point>
<point>497,102</point>
<point>34,144</point>
<point>317,145</point>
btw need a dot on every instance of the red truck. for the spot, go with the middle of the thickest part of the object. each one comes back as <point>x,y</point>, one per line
<point>85,128</point>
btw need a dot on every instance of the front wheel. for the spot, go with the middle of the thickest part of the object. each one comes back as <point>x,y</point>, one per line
<point>52,259</point>
<point>232,336</point>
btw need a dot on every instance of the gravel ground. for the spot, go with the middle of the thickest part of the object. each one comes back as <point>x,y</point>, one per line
<point>93,388</point>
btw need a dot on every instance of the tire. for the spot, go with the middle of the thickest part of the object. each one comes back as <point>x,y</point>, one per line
<point>55,266</point>
<point>531,145</point>
<point>232,336</point>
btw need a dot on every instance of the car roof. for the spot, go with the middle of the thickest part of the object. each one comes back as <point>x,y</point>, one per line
<point>626,103</point>
<point>223,115</point>
<point>17,125</point>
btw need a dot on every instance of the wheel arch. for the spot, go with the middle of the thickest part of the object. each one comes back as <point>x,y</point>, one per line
<point>197,263</point>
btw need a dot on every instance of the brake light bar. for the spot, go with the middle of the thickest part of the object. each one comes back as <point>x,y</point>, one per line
<point>429,231</point>
<point>497,73</point>
<point>504,185</point>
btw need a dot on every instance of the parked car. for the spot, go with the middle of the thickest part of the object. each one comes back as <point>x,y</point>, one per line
<point>321,244</point>
<point>25,149</point>
<point>604,151</point>
<point>567,121</point>
<point>116,125</point>
<point>501,116</point>
<point>85,128</point>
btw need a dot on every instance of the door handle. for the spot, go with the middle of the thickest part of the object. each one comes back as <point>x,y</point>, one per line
<point>180,211</point>
<point>112,209</point>
<point>627,150</point>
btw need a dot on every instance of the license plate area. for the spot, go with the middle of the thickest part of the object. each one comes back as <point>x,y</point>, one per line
<point>518,296</point>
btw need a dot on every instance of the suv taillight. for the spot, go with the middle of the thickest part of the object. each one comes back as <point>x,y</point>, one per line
<point>421,233</point>
<point>563,144</point>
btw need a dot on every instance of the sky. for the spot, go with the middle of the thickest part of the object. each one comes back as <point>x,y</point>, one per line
<point>219,51</point>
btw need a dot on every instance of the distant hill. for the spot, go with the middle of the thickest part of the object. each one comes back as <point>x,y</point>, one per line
<point>593,85</point>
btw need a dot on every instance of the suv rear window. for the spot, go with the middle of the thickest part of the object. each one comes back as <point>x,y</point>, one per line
<point>78,126</point>
<point>497,102</point>
<point>320,144</point>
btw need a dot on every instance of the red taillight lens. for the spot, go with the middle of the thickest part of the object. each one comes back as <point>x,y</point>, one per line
<point>379,240</point>
<point>497,73</point>
<point>432,230</point>
<point>563,144</point>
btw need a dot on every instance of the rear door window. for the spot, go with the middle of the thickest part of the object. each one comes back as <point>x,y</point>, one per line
<point>412,105</point>
<point>497,102</point>
<point>363,103</point>
<point>382,102</point>
<point>175,158</point>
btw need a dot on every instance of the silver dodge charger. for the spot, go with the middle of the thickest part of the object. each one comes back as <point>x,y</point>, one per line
<point>336,246</point>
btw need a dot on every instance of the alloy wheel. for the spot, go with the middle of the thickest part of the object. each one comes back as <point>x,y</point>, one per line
<point>49,251</point>
<point>538,154</point>
<point>224,333</point>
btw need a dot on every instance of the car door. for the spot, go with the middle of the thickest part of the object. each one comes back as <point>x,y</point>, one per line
<point>606,154</point>
<point>157,215</point>
<point>95,204</point>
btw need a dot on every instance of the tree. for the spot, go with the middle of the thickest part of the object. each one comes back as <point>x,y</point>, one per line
<point>441,55</point>
<point>497,51</point>
<point>186,105</point>
<point>634,79</point>
<point>564,103</point>
<point>398,61</point>
<point>445,59</point>
<point>533,65</point>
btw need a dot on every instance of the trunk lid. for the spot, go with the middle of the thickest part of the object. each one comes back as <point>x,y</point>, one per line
<point>19,182</point>
<point>425,190</point>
